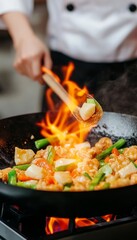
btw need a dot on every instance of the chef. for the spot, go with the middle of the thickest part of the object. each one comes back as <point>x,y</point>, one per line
<point>99,36</point>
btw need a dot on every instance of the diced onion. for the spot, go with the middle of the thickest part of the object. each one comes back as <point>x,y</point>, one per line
<point>87,110</point>
<point>34,171</point>
<point>127,170</point>
<point>64,164</point>
<point>82,145</point>
<point>63,177</point>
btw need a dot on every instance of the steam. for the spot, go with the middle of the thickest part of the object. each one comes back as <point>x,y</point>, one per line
<point>116,90</point>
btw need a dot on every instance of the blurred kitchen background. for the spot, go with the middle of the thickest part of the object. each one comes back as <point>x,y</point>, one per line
<point>18,94</point>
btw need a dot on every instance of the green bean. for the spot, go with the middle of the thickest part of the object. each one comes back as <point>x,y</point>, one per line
<point>121,150</point>
<point>40,143</point>
<point>22,166</point>
<point>102,172</point>
<point>102,163</point>
<point>26,185</point>
<point>87,175</point>
<point>51,154</point>
<point>96,180</point>
<point>67,187</point>
<point>106,152</point>
<point>12,177</point>
<point>106,185</point>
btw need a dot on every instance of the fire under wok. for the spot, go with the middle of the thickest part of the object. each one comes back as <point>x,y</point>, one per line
<point>17,131</point>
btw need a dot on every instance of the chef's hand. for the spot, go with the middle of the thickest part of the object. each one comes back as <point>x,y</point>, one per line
<point>31,54</point>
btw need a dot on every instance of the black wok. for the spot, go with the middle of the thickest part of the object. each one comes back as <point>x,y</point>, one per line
<point>17,131</point>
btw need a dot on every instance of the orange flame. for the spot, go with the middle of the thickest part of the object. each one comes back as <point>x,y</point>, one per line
<point>54,225</point>
<point>60,123</point>
<point>84,222</point>
<point>107,217</point>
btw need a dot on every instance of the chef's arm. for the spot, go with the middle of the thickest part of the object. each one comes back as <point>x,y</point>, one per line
<point>30,51</point>
<point>18,26</point>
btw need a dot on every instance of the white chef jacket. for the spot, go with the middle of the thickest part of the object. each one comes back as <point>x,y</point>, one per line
<point>89,30</point>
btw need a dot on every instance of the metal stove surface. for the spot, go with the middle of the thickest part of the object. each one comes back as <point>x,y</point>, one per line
<point>7,233</point>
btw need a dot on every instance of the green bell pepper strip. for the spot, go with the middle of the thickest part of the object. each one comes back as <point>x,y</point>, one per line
<point>40,143</point>
<point>12,177</point>
<point>26,185</point>
<point>51,154</point>
<point>22,166</point>
<point>102,172</point>
<point>106,152</point>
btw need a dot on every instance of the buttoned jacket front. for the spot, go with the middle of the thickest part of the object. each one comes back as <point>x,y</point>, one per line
<point>89,30</point>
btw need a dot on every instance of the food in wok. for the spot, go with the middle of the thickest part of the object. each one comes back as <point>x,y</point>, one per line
<point>73,167</point>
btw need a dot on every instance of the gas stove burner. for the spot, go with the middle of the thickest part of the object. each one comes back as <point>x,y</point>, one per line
<point>18,225</point>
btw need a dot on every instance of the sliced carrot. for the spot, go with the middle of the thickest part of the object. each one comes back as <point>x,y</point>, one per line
<point>42,162</point>
<point>106,159</point>
<point>23,177</point>
<point>115,151</point>
<point>50,180</point>
<point>74,173</point>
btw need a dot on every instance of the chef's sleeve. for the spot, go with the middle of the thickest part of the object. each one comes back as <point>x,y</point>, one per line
<point>23,6</point>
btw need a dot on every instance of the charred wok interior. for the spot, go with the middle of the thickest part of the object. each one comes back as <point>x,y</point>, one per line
<point>120,202</point>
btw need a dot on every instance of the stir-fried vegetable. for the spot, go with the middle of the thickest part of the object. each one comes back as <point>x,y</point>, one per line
<point>127,170</point>
<point>41,143</point>
<point>23,156</point>
<point>34,172</point>
<point>88,109</point>
<point>51,154</point>
<point>64,164</point>
<point>22,166</point>
<point>74,166</point>
<point>12,177</point>
<point>27,184</point>
<point>103,171</point>
<point>106,152</point>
